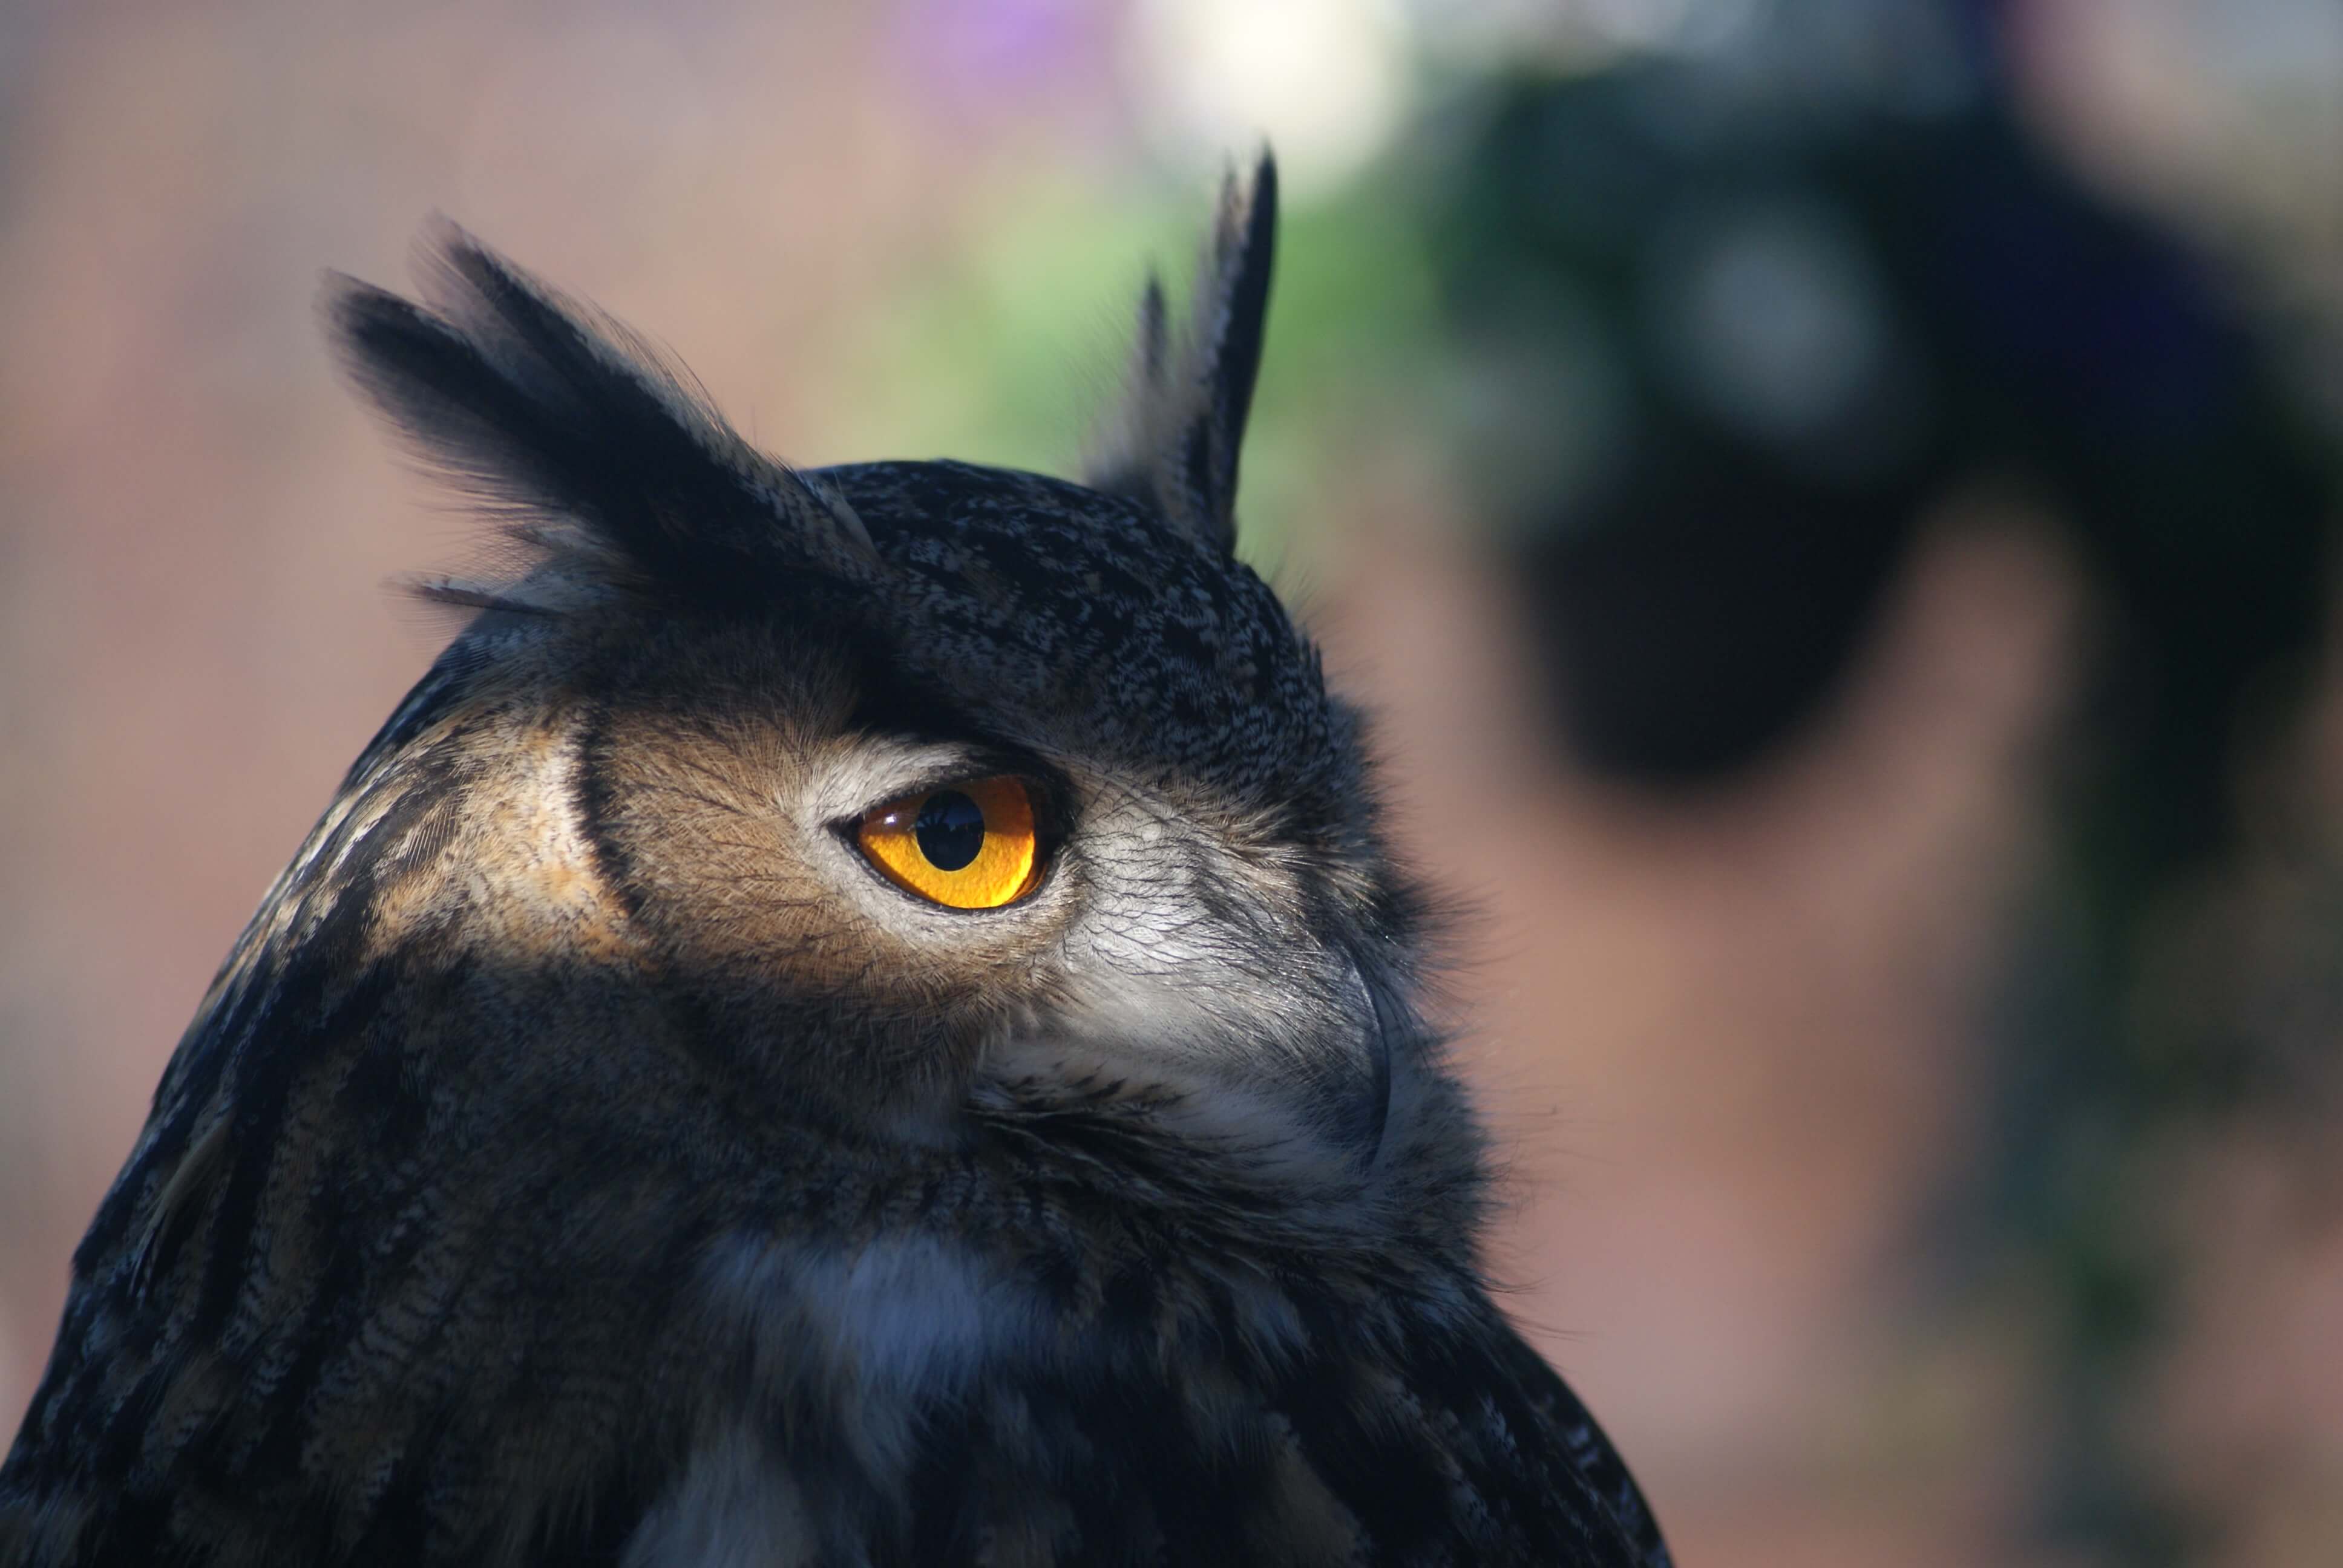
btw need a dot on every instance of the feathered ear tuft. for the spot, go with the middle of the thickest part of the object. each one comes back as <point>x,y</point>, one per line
<point>540,408</point>
<point>1176,440</point>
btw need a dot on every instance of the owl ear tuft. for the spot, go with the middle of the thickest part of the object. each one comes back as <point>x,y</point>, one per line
<point>1176,439</point>
<point>540,408</point>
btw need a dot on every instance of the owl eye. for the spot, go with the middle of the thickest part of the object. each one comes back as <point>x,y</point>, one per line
<point>968,846</point>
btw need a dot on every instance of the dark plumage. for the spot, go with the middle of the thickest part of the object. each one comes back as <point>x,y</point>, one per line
<point>586,1155</point>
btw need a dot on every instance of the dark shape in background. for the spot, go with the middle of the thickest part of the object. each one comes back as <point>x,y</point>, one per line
<point>1731,341</point>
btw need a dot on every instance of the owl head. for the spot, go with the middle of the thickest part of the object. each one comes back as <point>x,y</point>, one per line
<point>907,799</point>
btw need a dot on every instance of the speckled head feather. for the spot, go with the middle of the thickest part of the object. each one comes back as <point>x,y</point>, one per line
<point>589,1154</point>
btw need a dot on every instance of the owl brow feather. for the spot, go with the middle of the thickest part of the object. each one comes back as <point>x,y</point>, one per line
<point>1176,440</point>
<point>463,595</point>
<point>538,407</point>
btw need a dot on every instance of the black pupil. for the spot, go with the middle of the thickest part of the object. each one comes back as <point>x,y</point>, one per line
<point>950,829</point>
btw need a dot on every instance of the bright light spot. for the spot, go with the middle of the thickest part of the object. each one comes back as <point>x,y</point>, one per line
<point>1325,82</point>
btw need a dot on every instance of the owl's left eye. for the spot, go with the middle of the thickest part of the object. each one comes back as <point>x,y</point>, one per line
<point>967,846</point>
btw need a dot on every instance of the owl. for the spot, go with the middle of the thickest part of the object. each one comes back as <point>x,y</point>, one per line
<point>856,1016</point>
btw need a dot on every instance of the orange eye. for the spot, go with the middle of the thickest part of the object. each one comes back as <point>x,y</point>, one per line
<point>969,846</point>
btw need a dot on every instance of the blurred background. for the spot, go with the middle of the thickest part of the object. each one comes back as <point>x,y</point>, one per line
<point>1831,500</point>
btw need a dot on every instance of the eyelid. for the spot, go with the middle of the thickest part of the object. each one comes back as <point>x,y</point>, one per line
<point>946,765</point>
